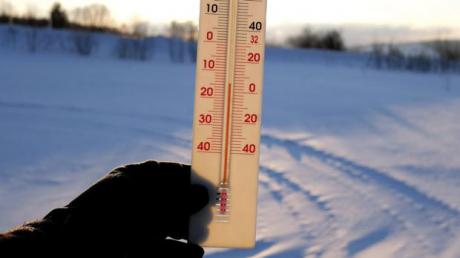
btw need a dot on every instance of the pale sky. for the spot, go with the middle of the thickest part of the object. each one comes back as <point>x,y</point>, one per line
<point>415,15</point>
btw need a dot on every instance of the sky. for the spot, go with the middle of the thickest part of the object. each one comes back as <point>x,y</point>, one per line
<point>391,18</point>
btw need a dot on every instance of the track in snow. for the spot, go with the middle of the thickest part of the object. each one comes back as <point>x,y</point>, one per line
<point>429,223</point>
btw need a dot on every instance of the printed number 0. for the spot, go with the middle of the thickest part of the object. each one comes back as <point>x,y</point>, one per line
<point>210,35</point>
<point>252,87</point>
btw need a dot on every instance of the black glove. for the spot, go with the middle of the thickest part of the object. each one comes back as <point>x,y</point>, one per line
<point>130,213</point>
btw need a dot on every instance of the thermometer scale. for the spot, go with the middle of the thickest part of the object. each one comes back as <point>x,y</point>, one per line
<point>227,119</point>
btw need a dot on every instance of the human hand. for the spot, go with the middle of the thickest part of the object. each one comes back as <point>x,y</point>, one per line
<point>129,213</point>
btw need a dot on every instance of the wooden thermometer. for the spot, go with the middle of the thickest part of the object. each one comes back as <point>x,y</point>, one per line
<point>226,132</point>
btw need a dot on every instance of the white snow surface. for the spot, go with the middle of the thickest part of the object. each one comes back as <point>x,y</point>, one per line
<point>355,162</point>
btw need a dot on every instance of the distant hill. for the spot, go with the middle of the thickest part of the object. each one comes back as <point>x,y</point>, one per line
<point>104,44</point>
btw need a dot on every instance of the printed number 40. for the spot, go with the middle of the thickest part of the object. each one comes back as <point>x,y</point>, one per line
<point>204,146</point>
<point>250,148</point>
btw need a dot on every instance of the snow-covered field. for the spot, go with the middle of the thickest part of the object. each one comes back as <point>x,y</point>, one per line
<point>355,162</point>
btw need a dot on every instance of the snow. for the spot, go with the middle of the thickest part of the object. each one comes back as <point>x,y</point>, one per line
<point>355,162</point>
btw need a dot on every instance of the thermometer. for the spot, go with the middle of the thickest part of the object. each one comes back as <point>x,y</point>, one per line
<point>227,119</point>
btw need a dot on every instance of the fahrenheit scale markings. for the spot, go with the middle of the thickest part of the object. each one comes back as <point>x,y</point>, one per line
<point>226,133</point>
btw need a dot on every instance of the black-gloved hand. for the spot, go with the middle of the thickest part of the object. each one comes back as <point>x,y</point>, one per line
<point>130,213</point>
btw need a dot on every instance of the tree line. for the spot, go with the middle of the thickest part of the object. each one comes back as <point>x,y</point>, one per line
<point>94,17</point>
<point>134,41</point>
<point>438,56</point>
<point>331,40</point>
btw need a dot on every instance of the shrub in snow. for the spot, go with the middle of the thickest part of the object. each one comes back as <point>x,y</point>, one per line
<point>391,57</point>
<point>9,37</point>
<point>421,63</point>
<point>136,49</point>
<point>84,43</point>
<point>449,53</point>
<point>32,40</point>
<point>395,58</point>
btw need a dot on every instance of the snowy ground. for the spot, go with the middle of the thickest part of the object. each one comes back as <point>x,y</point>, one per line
<point>355,162</point>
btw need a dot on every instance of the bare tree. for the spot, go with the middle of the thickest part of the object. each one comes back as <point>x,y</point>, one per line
<point>177,42</point>
<point>377,56</point>
<point>172,49</point>
<point>449,54</point>
<point>192,37</point>
<point>31,11</point>
<point>395,58</point>
<point>95,15</point>
<point>140,29</point>
<point>138,46</point>
<point>6,10</point>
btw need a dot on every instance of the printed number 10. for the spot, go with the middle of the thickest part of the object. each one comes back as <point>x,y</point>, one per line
<point>213,8</point>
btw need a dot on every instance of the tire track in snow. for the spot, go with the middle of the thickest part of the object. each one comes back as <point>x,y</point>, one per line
<point>321,232</point>
<point>440,216</point>
<point>341,242</point>
<point>291,185</point>
<point>351,188</point>
<point>363,173</point>
<point>369,200</point>
<point>280,198</point>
